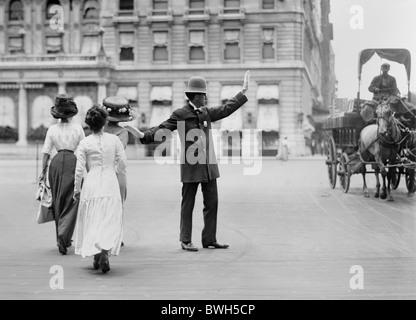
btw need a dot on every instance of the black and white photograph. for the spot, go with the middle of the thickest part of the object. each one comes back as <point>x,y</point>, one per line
<point>209,156</point>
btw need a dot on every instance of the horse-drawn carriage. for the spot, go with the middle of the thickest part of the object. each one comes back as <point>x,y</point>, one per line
<point>388,145</point>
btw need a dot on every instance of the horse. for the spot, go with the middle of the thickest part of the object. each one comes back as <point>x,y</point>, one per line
<point>379,143</point>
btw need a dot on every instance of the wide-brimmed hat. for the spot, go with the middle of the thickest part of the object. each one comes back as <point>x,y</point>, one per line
<point>197,85</point>
<point>385,65</point>
<point>119,109</point>
<point>65,107</point>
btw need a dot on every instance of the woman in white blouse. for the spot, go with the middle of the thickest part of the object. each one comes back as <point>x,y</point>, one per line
<point>99,227</point>
<point>64,137</point>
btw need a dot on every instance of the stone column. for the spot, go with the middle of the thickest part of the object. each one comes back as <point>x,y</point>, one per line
<point>28,26</point>
<point>38,35</point>
<point>61,88</point>
<point>76,26</point>
<point>102,92</point>
<point>2,27</point>
<point>23,120</point>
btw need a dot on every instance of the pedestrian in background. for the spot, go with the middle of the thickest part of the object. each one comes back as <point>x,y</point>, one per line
<point>284,150</point>
<point>202,169</point>
<point>65,137</point>
<point>99,225</point>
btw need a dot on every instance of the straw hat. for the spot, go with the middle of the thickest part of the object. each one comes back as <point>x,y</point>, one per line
<point>118,109</point>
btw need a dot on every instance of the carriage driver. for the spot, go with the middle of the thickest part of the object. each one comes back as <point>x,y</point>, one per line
<point>384,87</point>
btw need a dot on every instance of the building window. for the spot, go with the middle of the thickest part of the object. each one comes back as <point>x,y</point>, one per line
<point>231,3</point>
<point>126,5</point>
<point>91,9</point>
<point>51,13</point>
<point>16,11</point>
<point>268,4</point>
<point>268,44</point>
<point>197,45</point>
<point>160,4</point>
<point>161,101</point>
<point>232,45</point>
<point>196,4</point>
<point>90,45</point>
<point>160,46</point>
<point>16,44</point>
<point>126,46</point>
<point>54,44</point>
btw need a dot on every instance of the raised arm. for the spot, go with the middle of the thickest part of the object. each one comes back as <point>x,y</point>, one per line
<point>233,104</point>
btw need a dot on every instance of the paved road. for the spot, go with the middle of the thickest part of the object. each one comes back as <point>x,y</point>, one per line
<point>291,237</point>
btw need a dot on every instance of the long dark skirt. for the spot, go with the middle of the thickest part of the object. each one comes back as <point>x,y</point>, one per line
<point>61,179</point>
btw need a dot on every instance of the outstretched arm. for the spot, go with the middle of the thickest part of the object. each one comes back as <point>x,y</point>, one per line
<point>171,124</point>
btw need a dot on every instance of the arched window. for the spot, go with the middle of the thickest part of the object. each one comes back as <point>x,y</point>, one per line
<point>16,10</point>
<point>83,103</point>
<point>126,5</point>
<point>41,112</point>
<point>51,13</point>
<point>7,115</point>
<point>91,9</point>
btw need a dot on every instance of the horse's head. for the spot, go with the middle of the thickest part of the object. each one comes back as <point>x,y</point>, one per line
<point>384,117</point>
<point>388,128</point>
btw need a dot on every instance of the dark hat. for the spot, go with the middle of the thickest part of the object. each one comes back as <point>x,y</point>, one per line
<point>118,109</point>
<point>385,65</point>
<point>65,107</point>
<point>197,85</point>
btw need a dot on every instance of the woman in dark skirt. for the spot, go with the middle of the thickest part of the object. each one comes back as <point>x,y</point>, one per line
<point>65,138</point>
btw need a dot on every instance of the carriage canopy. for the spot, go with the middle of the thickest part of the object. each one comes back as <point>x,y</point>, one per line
<point>397,55</point>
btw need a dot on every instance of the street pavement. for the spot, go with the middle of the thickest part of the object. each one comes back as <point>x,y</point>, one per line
<point>291,237</point>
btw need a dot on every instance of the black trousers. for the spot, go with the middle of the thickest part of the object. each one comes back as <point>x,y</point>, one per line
<point>210,196</point>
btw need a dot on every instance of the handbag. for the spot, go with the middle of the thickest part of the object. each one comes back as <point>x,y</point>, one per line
<point>44,196</point>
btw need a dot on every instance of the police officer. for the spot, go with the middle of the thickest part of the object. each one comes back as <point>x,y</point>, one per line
<point>198,163</point>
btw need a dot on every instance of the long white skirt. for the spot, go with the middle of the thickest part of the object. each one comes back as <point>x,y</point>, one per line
<point>99,226</point>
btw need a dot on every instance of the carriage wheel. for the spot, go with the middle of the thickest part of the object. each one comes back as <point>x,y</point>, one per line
<point>396,178</point>
<point>345,172</point>
<point>410,180</point>
<point>331,162</point>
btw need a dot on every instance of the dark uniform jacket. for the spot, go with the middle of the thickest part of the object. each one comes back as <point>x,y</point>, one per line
<point>386,84</point>
<point>198,159</point>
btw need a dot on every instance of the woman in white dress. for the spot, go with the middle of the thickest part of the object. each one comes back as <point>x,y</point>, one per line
<point>99,225</point>
<point>64,137</point>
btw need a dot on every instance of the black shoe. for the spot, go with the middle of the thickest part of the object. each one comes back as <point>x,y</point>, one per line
<point>62,246</point>
<point>104,262</point>
<point>216,245</point>
<point>122,244</point>
<point>188,247</point>
<point>96,263</point>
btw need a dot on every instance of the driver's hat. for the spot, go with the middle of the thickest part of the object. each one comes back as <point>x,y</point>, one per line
<point>387,65</point>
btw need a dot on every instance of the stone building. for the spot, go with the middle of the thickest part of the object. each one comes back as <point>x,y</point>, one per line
<point>146,50</point>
